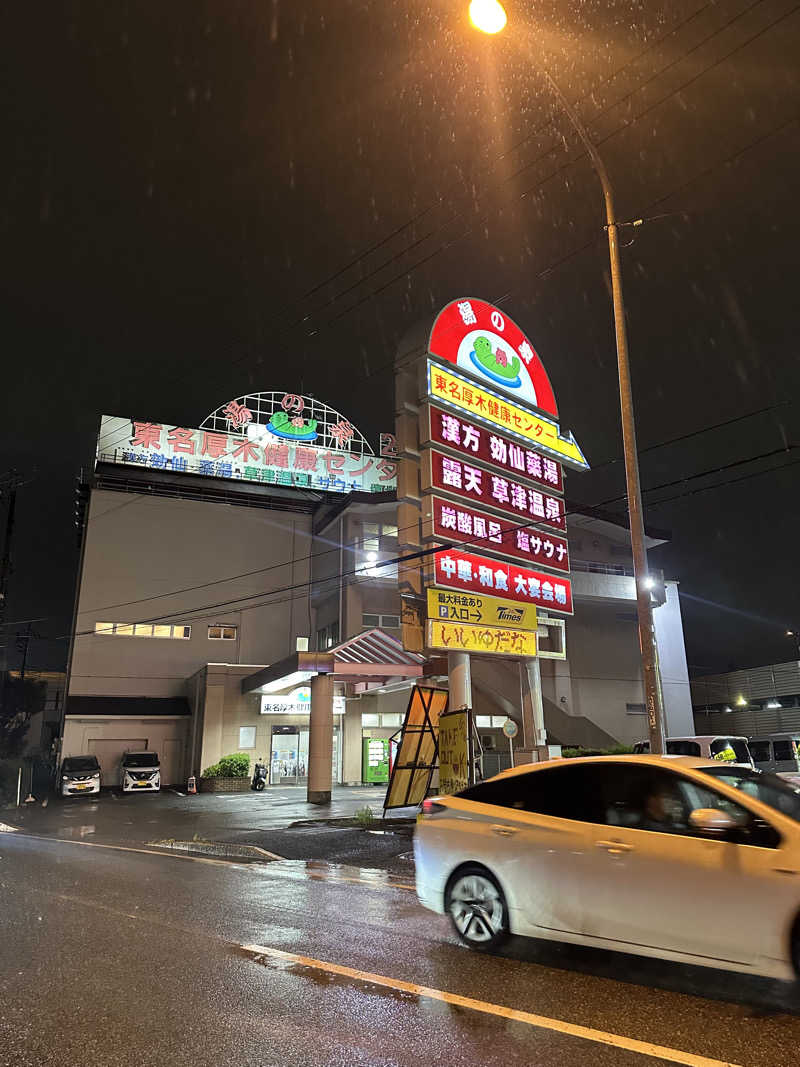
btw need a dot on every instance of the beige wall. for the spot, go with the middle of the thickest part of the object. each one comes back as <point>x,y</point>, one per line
<point>141,547</point>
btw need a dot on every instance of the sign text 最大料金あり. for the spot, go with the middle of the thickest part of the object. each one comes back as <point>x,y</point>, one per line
<point>447,605</point>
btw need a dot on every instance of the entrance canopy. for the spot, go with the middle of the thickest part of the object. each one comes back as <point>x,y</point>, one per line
<point>371,659</point>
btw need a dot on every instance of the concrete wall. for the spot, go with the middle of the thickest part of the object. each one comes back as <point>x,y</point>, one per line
<point>108,738</point>
<point>140,549</point>
<point>672,665</point>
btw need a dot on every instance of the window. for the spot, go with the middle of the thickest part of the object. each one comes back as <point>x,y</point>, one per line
<point>143,629</point>
<point>369,719</point>
<point>247,737</point>
<point>635,709</point>
<point>222,633</point>
<point>768,788</point>
<point>760,751</point>
<point>729,750</point>
<point>784,750</point>
<point>301,644</point>
<point>390,621</point>
<point>682,748</point>
<point>392,719</point>
<point>489,722</point>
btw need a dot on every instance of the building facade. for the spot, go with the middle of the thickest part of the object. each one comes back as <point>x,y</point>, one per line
<point>748,703</point>
<point>198,577</point>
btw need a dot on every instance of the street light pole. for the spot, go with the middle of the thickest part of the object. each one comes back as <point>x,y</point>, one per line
<point>655,711</point>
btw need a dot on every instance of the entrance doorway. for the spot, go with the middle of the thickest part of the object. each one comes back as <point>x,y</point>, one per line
<point>288,761</point>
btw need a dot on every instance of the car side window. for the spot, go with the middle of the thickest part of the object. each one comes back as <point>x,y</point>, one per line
<point>750,829</point>
<point>760,751</point>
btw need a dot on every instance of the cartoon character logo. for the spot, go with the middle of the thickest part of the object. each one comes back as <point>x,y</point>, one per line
<point>292,427</point>
<point>499,365</point>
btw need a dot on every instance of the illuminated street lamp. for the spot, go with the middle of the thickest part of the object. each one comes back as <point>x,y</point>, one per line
<point>490,17</point>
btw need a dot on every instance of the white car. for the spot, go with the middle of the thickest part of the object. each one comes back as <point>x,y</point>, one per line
<point>686,859</point>
<point>80,776</point>
<point>140,772</point>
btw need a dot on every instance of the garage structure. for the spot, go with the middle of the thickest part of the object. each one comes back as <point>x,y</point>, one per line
<point>109,736</point>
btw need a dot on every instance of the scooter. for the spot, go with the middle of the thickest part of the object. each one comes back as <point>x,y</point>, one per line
<point>259,776</point>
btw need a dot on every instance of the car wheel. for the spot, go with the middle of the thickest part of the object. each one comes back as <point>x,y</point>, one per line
<point>477,908</point>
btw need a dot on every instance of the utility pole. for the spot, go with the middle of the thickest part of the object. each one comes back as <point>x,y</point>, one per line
<point>5,574</point>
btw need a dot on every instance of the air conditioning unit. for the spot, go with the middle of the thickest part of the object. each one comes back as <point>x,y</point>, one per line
<point>487,741</point>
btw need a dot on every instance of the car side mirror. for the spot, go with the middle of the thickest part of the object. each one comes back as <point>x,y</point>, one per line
<point>712,821</point>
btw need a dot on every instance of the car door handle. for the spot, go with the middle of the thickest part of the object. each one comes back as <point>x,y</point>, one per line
<point>614,848</point>
<point>504,831</point>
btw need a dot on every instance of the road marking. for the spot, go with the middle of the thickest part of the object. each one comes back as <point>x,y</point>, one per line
<point>542,1022</point>
<point>129,848</point>
<point>6,829</point>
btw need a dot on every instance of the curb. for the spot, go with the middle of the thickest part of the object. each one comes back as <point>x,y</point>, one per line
<point>215,848</point>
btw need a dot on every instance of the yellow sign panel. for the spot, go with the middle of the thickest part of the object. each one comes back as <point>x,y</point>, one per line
<point>453,752</point>
<point>482,403</point>
<point>485,640</point>
<point>444,604</point>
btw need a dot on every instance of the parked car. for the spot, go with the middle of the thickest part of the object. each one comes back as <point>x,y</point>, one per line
<point>706,746</point>
<point>140,771</point>
<point>681,858</point>
<point>779,753</point>
<point>80,775</point>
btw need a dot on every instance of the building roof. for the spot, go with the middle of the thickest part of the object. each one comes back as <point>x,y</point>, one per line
<point>373,656</point>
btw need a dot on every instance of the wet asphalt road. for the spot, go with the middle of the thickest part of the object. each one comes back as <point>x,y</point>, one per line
<point>111,956</point>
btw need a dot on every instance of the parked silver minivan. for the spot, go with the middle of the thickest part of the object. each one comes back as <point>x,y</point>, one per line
<point>722,747</point>
<point>779,753</point>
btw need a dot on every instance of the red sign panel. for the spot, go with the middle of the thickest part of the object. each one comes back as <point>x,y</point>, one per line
<point>456,522</point>
<point>483,340</point>
<point>464,480</point>
<point>454,569</point>
<point>490,446</point>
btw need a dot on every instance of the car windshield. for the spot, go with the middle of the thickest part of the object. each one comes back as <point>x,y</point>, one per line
<point>140,759</point>
<point>730,750</point>
<point>768,788</point>
<point>80,764</point>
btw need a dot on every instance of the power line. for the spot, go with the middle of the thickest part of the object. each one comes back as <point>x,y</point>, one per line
<point>246,599</point>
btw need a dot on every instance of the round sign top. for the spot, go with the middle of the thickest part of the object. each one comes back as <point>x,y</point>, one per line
<point>486,343</point>
<point>510,728</point>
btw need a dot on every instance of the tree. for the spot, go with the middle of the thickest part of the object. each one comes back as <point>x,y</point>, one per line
<point>21,699</point>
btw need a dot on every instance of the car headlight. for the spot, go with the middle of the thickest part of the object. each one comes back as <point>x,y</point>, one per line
<point>64,778</point>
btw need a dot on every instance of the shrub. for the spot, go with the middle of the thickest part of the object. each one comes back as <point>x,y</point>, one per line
<point>615,750</point>
<point>364,817</point>
<point>237,765</point>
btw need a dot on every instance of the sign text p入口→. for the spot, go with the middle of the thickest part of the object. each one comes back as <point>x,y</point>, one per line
<point>450,606</point>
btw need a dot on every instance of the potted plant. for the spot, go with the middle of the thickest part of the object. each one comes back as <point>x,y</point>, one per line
<point>230,775</point>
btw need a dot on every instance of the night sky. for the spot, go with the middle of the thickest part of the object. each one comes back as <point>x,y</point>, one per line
<point>201,199</point>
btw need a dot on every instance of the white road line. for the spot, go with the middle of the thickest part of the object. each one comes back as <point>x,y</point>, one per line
<point>6,829</point>
<point>128,848</point>
<point>542,1022</point>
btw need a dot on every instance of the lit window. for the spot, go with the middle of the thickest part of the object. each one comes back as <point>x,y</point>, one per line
<point>368,719</point>
<point>247,737</point>
<point>483,722</point>
<point>222,633</point>
<point>389,531</point>
<point>301,645</point>
<point>143,629</point>
<point>391,720</point>
<point>370,620</point>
